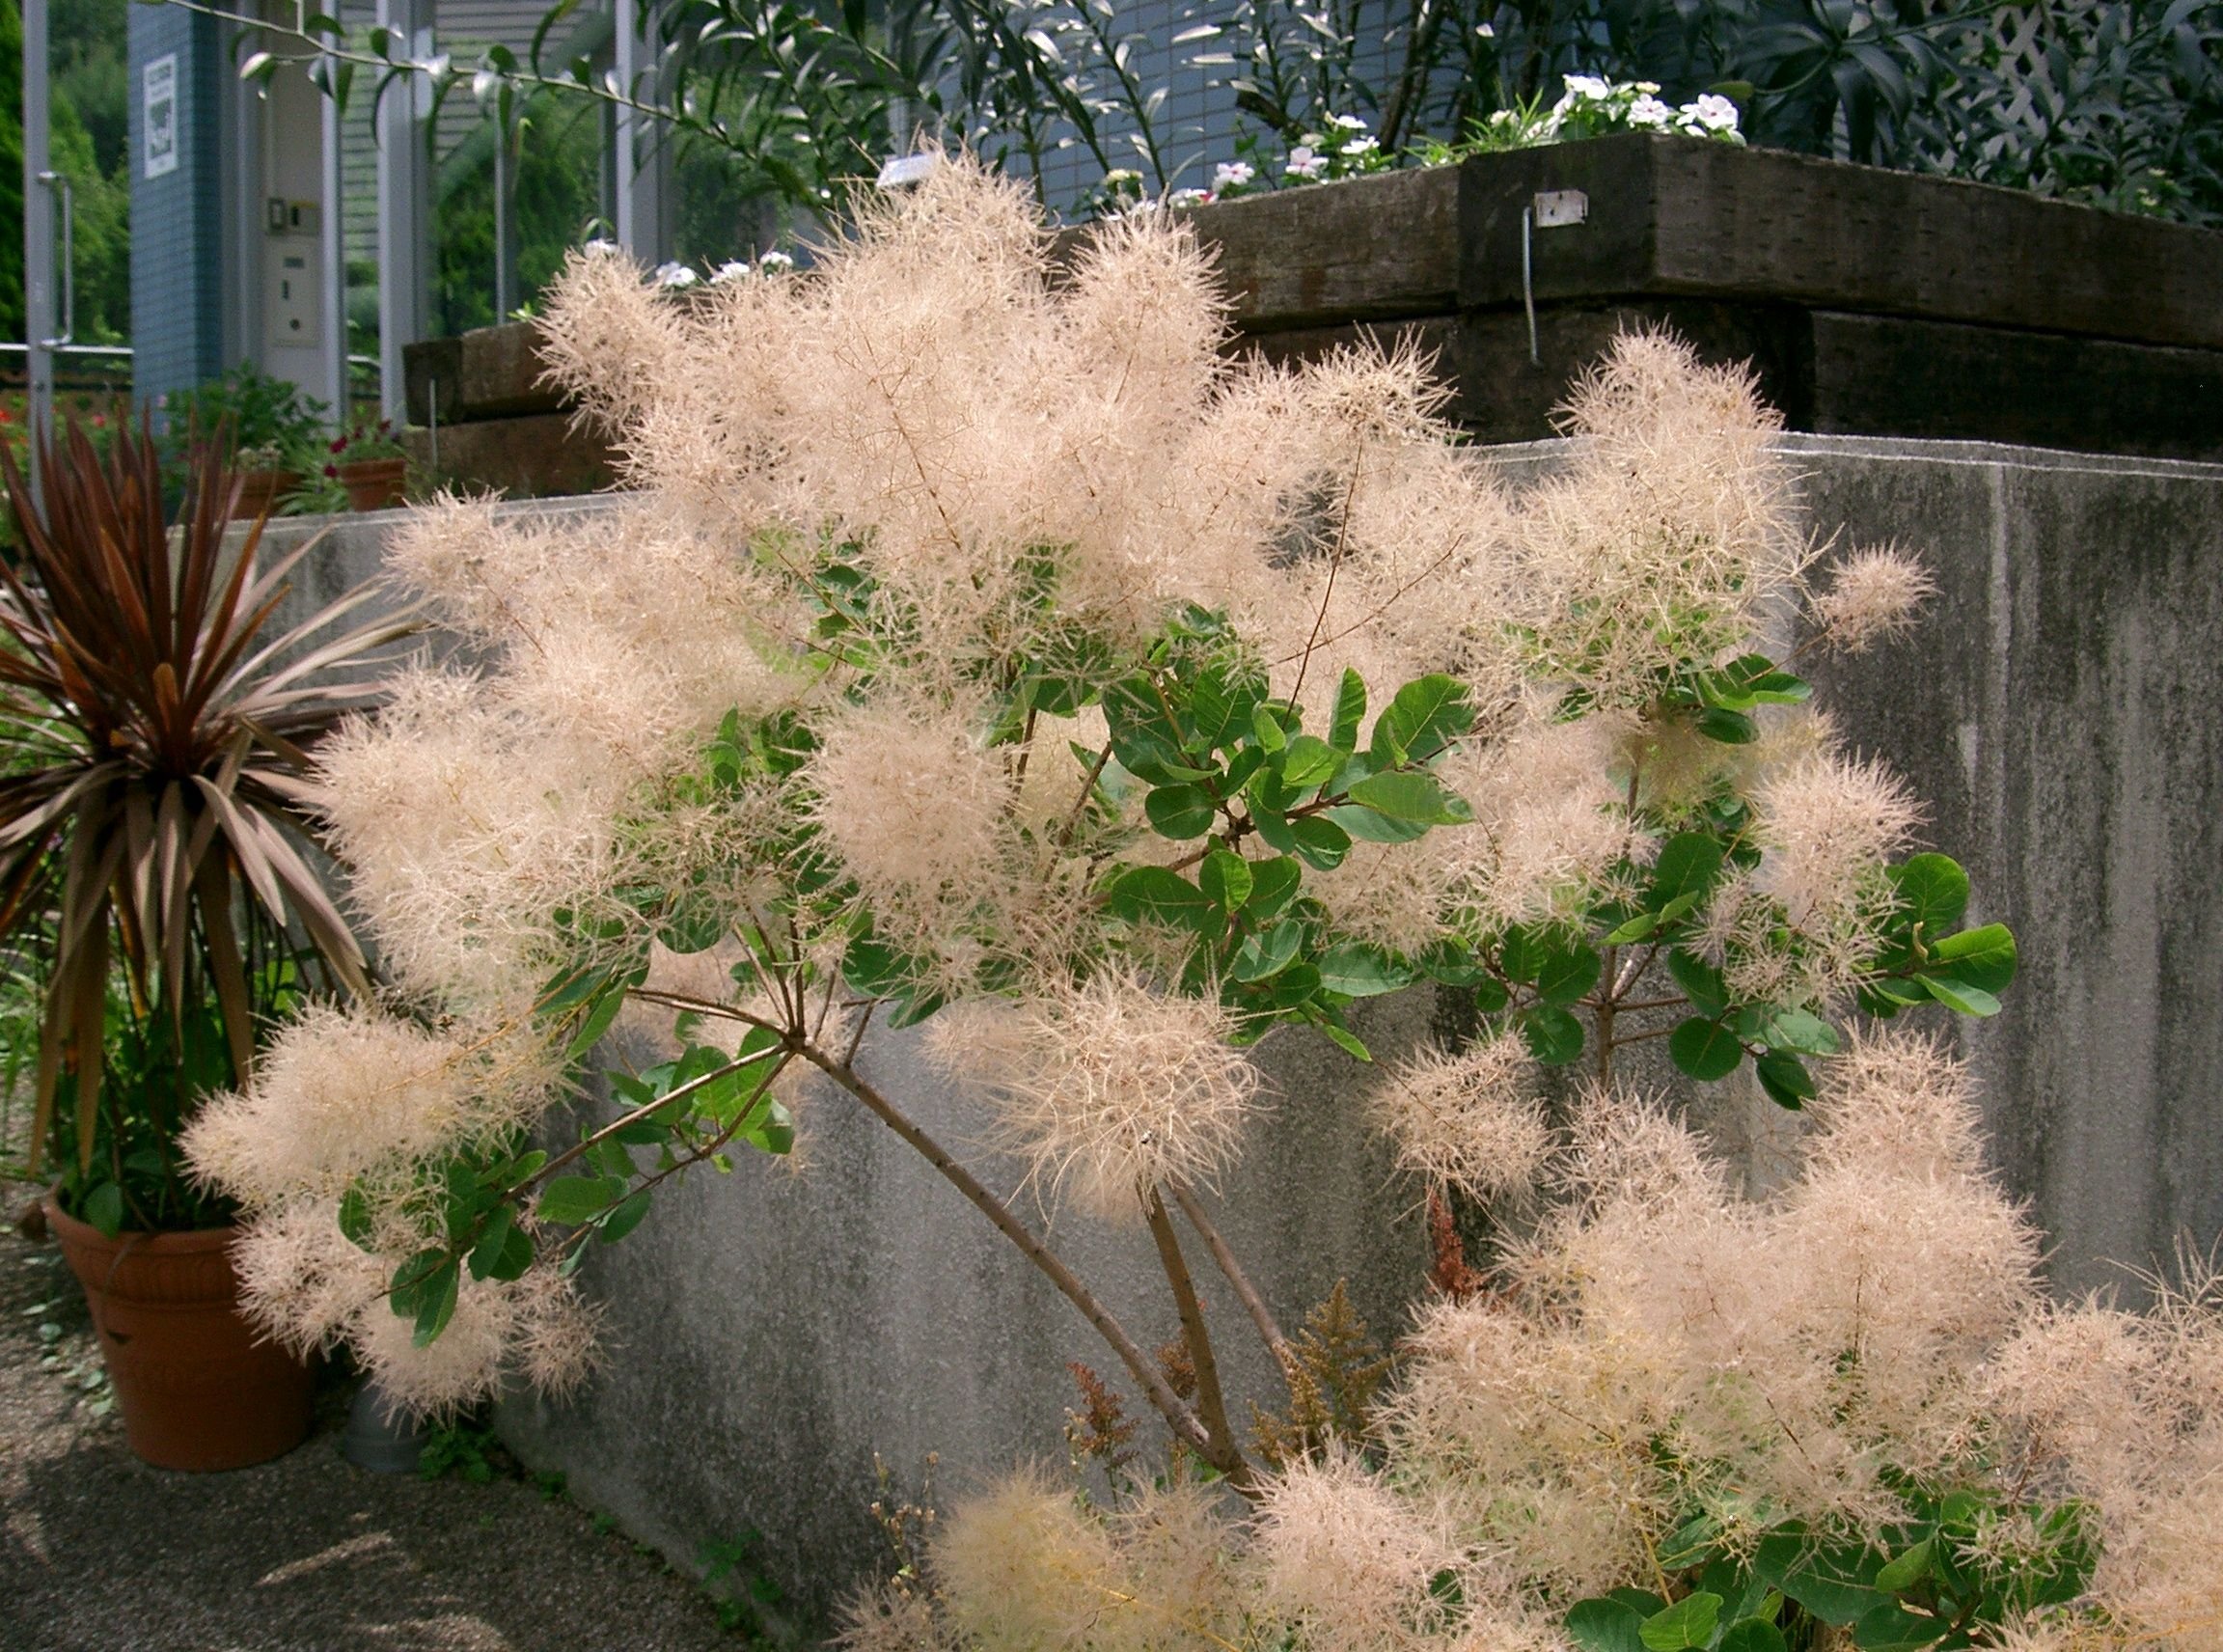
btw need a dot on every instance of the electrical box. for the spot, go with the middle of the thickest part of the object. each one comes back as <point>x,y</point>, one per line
<point>291,217</point>
<point>290,299</point>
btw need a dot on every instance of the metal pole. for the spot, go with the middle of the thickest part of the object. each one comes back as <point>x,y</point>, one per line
<point>39,318</point>
<point>640,146</point>
<point>332,233</point>
<point>404,207</point>
<point>505,222</point>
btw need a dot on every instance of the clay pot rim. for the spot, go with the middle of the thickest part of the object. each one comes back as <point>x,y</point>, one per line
<point>170,1242</point>
<point>369,467</point>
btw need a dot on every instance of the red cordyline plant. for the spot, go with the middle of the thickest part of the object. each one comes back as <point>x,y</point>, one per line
<point>162,732</point>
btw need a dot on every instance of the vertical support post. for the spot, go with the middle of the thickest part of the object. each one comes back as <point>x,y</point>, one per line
<point>405,205</point>
<point>640,146</point>
<point>40,324</point>
<point>333,234</point>
<point>505,297</point>
<point>243,171</point>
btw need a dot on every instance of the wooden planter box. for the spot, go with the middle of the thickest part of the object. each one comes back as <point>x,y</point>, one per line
<point>1869,302</point>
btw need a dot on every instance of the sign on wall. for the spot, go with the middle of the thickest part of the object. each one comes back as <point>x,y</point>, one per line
<point>158,87</point>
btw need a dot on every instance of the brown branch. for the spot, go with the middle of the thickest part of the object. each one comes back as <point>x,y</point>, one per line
<point>1178,1416</point>
<point>1220,1450</point>
<point>1087,788</point>
<point>709,1007</point>
<point>857,1042</point>
<point>634,1115</point>
<point>1334,566</point>
<point>1246,1292</point>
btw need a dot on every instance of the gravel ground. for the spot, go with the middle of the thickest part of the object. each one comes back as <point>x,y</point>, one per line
<point>104,1553</point>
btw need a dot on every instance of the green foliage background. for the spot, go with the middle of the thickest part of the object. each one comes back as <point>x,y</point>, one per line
<point>89,135</point>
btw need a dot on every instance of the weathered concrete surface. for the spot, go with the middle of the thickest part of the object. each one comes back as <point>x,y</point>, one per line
<point>2059,707</point>
<point>773,1330</point>
<point>2061,710</point>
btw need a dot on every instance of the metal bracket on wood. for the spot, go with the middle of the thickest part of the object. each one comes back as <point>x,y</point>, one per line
<point>1549,210</point>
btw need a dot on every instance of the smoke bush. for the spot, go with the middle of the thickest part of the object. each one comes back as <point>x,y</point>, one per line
<point>983,646</point>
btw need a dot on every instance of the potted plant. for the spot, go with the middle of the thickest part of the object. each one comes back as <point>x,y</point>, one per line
<point>368,462</point>
<point>153,861</point>
<point>267,418</point>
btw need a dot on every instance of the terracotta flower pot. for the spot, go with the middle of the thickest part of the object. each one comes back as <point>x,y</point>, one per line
<point>373,484</point>
<point>196,1387</point>
<point>259,491</point>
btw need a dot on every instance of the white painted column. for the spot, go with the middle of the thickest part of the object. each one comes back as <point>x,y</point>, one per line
<point>643,149</point>
<point>333,198</point>
<point>405,205</point>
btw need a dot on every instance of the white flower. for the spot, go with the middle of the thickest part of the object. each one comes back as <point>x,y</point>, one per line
<point>773,263</point>
<point>1232,175</point>
<point>1303,162</point>
<point>1650,113</point>
<point>732,270</point>
<point>1487,32</point>
<point>676,275</point>
<point>1359,147</point>
<point>1189,197</point>
<point>601,247</point>
<point>1349,122</point>
<point>1590,86</point>
<point>1709,112</point>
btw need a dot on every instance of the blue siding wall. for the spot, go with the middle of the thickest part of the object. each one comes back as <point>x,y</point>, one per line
<point>177,219</point>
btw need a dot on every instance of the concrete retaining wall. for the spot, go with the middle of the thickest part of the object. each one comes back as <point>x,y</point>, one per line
<point>2060,709</point>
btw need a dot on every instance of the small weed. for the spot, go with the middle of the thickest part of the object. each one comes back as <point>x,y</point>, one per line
<point>604,1523</point>
<point>549,1483</point>
<point>745,1604</point>
<point>465,1449</point>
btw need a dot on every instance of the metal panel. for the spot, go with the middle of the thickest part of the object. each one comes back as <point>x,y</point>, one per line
<point>405,205</point>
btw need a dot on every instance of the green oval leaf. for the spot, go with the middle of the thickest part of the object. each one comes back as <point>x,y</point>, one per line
<point>1372,826</point>
<point>1180,812</point>
<point>1703,1049</point>
<point>1358,971</point>
<point>1753,1634</point>
<point>1606,1626</point>
<point>1320,843</point>
<point>1157,895</point>
<point>1729,727</point>
<point>1700,982</point>
<point>1412,794</point>
<point>1785,1078</point>
<point>573,1199</point>
<point>1687,864</point>
<point>1308,762</point>
<point>1427,714</point>
<point>1350,713</point>
<point>1983,958</point>
<point>1909,1569</point>
<point>1226,878</point>
<point>104,1209</point>
<point>1688,1624</point>
<point>1266,955</point>
<point>1554,1037</point>
<point>623,1218</point>
<point>1959,997</point>
<point>1273,884</point>
<point>1932,892</point>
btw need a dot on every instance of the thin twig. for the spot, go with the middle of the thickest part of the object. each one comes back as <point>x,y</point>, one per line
<point>1183,1422</point>
<point>857,1042</point>
<point>1246,1292</point>
<point>1223,1453</point>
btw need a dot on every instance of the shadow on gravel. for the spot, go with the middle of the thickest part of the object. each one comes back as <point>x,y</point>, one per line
<point>100,1553</point>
